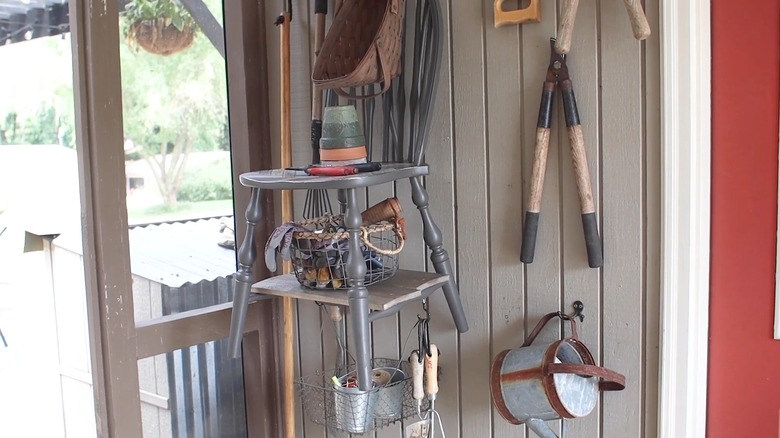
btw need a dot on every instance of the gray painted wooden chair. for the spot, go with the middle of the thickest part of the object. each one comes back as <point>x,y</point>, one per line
<point>405,160</point>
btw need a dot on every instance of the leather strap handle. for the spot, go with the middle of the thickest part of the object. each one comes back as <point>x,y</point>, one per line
<point>612,381</point>
<point>545,319</point>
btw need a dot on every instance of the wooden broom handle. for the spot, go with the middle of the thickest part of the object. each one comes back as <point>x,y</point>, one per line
<point>288,331</point>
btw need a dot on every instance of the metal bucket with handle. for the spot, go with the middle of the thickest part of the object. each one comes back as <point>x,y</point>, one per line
<point>536,383</point>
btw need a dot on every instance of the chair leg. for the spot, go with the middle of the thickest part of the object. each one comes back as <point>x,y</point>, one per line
<point>5,344</point>
<point>357,293</point>
<point>439,257</point>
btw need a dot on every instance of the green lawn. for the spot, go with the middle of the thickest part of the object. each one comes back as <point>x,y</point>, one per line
<point>183,211</point>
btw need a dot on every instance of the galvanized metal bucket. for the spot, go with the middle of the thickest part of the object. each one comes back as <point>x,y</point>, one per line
<point>536,383</point>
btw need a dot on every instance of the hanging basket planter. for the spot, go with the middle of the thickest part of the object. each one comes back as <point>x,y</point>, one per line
<point>160,36</point>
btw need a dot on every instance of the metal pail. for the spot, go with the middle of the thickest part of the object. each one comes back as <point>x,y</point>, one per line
<point>354,409</point>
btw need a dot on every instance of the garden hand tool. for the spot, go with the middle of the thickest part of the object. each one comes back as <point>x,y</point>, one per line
<point>432,384</point>
<point>422,427</point>
<point>636,15</point>
<point>558,76</point>
<point>425,382</point>
<point>288,357</point>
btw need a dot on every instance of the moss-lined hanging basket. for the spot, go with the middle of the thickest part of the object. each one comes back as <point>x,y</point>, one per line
<point>160,36</point>
<point>162,27</point>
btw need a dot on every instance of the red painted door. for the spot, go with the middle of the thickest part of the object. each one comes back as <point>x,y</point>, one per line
<point>744,362</point>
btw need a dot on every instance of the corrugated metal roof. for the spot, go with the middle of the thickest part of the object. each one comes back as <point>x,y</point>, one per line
<point>177,253</point>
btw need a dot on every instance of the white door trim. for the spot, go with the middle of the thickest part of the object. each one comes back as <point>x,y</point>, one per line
<point>685,216</point>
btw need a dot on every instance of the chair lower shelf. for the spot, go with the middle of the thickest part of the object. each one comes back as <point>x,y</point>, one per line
<point>403,287</point>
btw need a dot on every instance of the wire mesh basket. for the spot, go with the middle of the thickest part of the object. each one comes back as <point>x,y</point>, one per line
<point>319,255</point>
<point>350,410</point>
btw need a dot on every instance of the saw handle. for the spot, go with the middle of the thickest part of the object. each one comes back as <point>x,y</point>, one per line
<point>638,19</point>
<point>431,372</point>
<point>532,13</point>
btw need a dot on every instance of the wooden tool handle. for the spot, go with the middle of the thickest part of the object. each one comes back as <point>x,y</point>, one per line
<point>288,331</point>
<point>638,19</point>
<point>431,372</point>
<point>532,13</point>
<point>531,222</point>
<point>582,176</point>
<point>418,391</point>
<point>566,27</point>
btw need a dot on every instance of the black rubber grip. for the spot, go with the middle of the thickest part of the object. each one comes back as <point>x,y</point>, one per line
<point>320,6</point>
<point>569,104</point>
<point>528,247</point>
<point>316,134</point>
<point>546,109</point>
<point>592,240</point>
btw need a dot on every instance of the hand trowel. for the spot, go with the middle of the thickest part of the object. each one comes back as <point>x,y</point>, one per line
<point>424,427</point>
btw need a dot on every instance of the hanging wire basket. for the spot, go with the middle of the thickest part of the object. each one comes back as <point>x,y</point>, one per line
<point>319,255</point>
<point>349,410</point>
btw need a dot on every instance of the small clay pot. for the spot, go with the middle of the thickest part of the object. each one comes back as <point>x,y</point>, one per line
<point>342,136</point>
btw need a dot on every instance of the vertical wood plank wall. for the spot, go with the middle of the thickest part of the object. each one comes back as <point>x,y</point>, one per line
<point>480,153</point>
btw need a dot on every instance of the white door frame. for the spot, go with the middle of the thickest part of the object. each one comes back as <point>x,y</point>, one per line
<point>685,220</point>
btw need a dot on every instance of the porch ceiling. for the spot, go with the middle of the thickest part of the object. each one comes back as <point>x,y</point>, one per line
<point>23,20</point>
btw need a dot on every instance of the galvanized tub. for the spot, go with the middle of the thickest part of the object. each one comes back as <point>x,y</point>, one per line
<point>536,383</point>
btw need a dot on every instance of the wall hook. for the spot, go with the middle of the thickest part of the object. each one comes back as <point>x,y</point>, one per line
<point>578,308</point>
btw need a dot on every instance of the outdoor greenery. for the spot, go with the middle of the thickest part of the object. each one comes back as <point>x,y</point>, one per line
<point>39,108</point>
<point>210,183</point>
<point>172,105</point>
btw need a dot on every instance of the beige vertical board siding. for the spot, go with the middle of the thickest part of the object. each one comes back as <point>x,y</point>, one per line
<point>505,161</point>
<point>652,202</point>
<point>480,152</point>
<point>543,276</point>
<point>581,282</point>
<point>472,200</point>
<point>623,219</point>
<point>384,332</point>
<point>440,185</point>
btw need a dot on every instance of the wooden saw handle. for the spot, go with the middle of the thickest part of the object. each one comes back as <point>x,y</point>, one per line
<point>532,13</point>
<point>638,19</point>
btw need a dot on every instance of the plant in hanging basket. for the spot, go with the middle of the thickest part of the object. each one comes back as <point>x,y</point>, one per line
<point>162,27</point>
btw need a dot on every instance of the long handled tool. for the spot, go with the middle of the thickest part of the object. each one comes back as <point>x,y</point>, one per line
<point>317,201</point>
<point>636,15</point>
<point>558,75</point>
<point>288,356</point>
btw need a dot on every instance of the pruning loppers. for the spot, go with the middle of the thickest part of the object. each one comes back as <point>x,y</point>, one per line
<point>558,77</point>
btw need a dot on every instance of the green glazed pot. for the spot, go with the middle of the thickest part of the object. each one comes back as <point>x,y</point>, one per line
<point>341,128</point>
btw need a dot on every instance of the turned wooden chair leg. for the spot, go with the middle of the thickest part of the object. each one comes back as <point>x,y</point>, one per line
<point>439,256</point>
